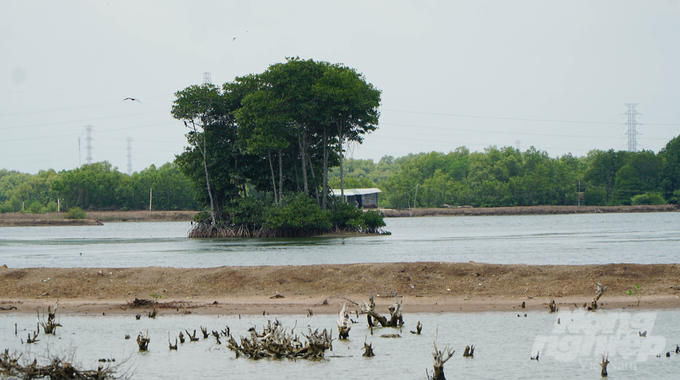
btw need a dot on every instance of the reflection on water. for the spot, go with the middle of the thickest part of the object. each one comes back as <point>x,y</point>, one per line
<point>529,239</point>
<point>504,343</point>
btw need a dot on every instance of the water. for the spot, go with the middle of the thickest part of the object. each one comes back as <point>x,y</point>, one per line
<point>504,344</point>
<point>645,238</point>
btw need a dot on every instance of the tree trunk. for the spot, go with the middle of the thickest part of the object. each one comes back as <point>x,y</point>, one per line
<point>316,185</point>
<point>302,142</point>
<point>324,187</point>
<point>342,177</point>
<point>280,177</point>
<point>271,168</point>
<point>207,180</point>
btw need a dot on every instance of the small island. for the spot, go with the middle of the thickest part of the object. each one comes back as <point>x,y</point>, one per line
<point>261,147</point>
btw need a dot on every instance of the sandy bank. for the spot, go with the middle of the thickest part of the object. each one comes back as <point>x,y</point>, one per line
<point>426,287</point>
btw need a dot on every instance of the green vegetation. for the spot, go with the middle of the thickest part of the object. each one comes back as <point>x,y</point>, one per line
<point>261,147</point>
<point>507,177</point>
<point>637,292</point>
<point>75,213</point>
<point>97,186</point>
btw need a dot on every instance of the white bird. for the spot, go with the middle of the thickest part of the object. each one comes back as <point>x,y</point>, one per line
<point>133,99</point>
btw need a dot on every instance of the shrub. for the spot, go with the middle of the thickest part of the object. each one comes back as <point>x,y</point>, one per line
<point>297,215</point>
<point>346,216</point>
<point>35,208</point>
<point>51,206</point>
<point>75,213</point>
<point>373,220</point>
<point>648,199</point>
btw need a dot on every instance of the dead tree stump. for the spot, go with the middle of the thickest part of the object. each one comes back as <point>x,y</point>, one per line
<point>600,291</point>
<point>553,306</point>
<point>368,350</point>
<point>344,323</point>
<point>50,326</point>
<point>469,352</point>
<point>396,319</point>
<point>440,358</point>
<point>605,362</point>
<point>143,341</point>
<point>419,328</point>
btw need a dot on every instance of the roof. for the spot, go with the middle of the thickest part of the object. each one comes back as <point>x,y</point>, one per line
<point>349,192</point>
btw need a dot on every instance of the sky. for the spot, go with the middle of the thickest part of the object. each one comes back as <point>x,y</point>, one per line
<point>549,74</point>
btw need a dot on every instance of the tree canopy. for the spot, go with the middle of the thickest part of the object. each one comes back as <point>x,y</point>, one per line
<point>273,135</point>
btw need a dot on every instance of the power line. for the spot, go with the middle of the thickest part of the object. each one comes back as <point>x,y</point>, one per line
<point>521,119</point>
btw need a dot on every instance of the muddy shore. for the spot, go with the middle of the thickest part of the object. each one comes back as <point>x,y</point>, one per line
<point>425,287</point>
<point>17,219</point>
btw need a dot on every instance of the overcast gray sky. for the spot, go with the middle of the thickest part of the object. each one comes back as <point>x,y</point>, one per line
<point>549,74</point>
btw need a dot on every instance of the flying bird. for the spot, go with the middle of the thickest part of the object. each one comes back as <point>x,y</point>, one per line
<point>133,99</point>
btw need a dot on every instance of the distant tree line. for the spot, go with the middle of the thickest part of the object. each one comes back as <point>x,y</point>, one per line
<point>97,186</point>
<point>507,177</point>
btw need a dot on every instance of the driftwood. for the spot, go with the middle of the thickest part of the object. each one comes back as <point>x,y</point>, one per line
<point>440,357</point>
<point>143,341</point>
<point>56,369</point>
<point>395,320</point>
<point>275,342</point>
<point>344,323</point>
<point>600,291</point>
<point>469,351</point>
<point>603,365</point>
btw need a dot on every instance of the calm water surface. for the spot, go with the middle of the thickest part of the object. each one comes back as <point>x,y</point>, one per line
<point>529,239</point>
<point>504,344</point>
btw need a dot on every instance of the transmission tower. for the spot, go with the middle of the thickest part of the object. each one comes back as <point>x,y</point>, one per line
<point>206,78</point>
<point>88,144</point>
<point>129,155</point>
<point>632,126</point>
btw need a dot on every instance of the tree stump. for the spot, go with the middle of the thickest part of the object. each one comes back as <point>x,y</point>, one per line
<point>396,319</point>
<point>419,328</point>
<point>368,350</point>
<point>440,358</point>
<point>143,341</point>
<point>469,351</point>
<point>599,292</point>
<point>344,323</point>
<point>605,362</point>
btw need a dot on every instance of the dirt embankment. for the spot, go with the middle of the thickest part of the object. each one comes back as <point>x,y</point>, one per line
<point>528,210</point>
<point>19,219</point>
<point>426,287</point>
